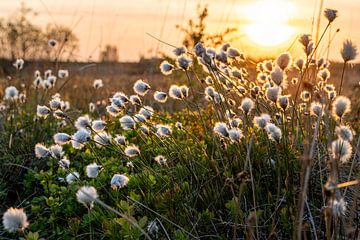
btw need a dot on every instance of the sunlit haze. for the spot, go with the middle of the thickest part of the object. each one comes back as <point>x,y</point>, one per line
<point>264,27</point>
<point>269,23</point>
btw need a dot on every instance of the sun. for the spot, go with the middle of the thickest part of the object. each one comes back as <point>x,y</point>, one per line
<point>268,21</point>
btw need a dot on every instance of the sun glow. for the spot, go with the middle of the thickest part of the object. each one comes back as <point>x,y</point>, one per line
<point>268,21</point>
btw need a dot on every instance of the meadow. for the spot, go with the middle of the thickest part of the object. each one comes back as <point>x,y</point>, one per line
<point>203,144</point>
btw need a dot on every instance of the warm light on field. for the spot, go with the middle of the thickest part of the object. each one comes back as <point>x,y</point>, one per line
<point>268,22</point>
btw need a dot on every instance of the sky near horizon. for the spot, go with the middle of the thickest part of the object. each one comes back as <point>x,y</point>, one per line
<point>264,27</point>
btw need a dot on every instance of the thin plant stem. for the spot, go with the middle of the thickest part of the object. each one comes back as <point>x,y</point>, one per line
<point>90,223</point>
<point>342,77</point>
<point>310,159</point>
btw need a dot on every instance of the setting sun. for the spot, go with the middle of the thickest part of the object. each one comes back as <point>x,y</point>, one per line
<point>268,22</point>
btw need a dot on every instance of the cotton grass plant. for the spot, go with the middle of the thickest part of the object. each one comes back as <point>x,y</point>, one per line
<point>244,158</point>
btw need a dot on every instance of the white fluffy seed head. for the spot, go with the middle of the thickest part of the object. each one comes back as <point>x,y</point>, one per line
<point>316,109</point>
<point>113,110</point>
<point>55,103</point>
<point>37,82</point>
<point>235,122</point>
<point>180,50</point>
<point>76,144</point>
<point>344,132</point>
<point>64,163</point>
<point>221,129</point>
<point>222,57</point>
<point>135,100</point>
<point>175,92</point>
<point>83,122</point>
<point>130,165</point>
<point>120,139</point>
<point>98,125</point>
<point>340,107</point>
<point>147,111</point>
<point>139,118</point>
<point>348,51</point>
<point>65,105</point>
<point>184,91</point>
<point>233,53</point>
<point>37,74</point>
<point>92,170</point>
<point>341,150</point>
<point>127,122</point>
<point>179,125</point>
<point>51,80</point>
<point>183,62</point>
<point>81,136</point>
<point>235,134</point>
<point>160,96</point>
<point>42,111</point>
<point>56,151</point>
<point>63,73</point>
<point>268,65</point>
<point>210,91</point>
<point>300,64</point>
<point>274,132</point>
<point>41,151</point>
<point>22,97</point>
<point>166,68</point>
<point>121,96</point>
<point>339,207</point>
<point>87,195</point>
<point>47,73</point>
<point>11,93</point>
<point>163,130</point>
<point>98,83</point>
<point>72,177</point>
<point>92,107</point>
<point>284,60</point>
<point>330,14</point>
<point>310,48</point>
<point>305,39</point>
<point>262,77</point>
<point>273,93</point>
<point>262,120</point>
<point>283,102</point>
<point>119,181</point>
<point>145,130</point>
<point>46,84</point>
<point>52,42</point>
<point>102,139</point>
<point>160,159</point>
<point>329,87</point>
<point>324,74</point>
<point>305,96</point>
<point>58,114</point>
<point>19,63</point>
<point>15,219</point>
<point>209,80</point>
<point>199,49</point>
<point>132,151</point>
<point>141,87</point>
<point>247,105</point>
<point>117,103</point>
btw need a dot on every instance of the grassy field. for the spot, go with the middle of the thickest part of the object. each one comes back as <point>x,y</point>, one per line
<point>208,145</point>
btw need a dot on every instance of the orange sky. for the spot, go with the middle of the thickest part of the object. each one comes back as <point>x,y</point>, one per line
<point>124,23</point>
